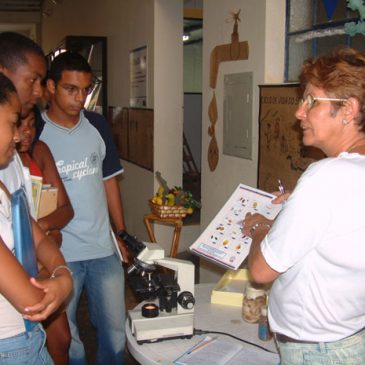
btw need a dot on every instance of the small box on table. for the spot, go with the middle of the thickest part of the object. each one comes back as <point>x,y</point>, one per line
<point>230,288</point>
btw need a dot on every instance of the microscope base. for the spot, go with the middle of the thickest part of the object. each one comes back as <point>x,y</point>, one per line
<point>165,326</point>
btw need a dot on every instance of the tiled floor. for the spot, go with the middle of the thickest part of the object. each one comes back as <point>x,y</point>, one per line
<point>88,334</point>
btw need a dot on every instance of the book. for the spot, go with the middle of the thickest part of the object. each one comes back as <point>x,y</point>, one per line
<point>219,351</point>
<point>223,242</point>
<point>116,248</point>
<point>23,239</point>
<point>36,191</point>
<point>48,201</point>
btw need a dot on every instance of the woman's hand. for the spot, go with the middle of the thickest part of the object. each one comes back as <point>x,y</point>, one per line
<point>280,197</point>
<point>252,220</point>
<point>56,291</point>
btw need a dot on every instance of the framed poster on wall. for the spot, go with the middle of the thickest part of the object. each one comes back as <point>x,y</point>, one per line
<point>138,77</point>
<point>282,154</point>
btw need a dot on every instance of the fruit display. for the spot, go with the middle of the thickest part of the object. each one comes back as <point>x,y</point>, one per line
<point>174,202</point>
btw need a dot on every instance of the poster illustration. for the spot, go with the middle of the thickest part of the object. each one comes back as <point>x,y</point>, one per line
<point>282,154</point>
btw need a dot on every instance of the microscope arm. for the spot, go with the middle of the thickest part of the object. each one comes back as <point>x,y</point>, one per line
<point>184,272</point>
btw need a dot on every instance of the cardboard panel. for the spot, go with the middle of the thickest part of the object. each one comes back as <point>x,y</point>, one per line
<point>281,152</point>
<point>132,130</point>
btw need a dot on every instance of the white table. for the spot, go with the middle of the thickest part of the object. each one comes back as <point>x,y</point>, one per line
<point>208,316</point>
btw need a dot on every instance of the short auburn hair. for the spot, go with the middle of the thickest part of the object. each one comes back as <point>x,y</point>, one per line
<point>340,74</point>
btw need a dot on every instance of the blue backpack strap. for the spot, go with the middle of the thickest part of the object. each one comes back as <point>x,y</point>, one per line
<point>23,238</point>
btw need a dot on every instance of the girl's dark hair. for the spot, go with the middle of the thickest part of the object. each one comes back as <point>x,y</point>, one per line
<point>6,89</point>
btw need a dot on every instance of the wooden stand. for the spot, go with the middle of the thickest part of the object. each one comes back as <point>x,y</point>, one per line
<point>177,222</point>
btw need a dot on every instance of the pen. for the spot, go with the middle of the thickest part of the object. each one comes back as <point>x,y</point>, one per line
<point>281,187</point>
<point>202,345</point>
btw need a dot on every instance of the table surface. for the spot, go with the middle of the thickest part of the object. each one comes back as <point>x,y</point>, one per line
<point>207,316</point>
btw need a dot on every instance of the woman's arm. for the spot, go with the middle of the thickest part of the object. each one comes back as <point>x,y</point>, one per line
<point>14,281</point>
<point>64,212</point>
<point>55,289</point>
<point>260,271</point>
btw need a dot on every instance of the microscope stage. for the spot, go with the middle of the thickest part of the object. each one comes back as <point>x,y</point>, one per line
<point>165,326</point>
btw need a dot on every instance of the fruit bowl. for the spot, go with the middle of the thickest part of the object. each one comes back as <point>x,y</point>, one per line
<point>168,211</point>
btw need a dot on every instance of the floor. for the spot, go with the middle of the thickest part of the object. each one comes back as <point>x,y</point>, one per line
<point>88,333</point>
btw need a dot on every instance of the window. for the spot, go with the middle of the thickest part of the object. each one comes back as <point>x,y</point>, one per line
<point>315,27</point>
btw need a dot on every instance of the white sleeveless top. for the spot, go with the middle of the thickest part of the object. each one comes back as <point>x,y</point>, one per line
<point>11,321</point>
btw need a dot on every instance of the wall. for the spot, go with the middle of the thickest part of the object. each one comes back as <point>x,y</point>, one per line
<point>193,98</point>
<point>259,19</point>
<point>193,67</point>
<point>26,23</point>
<point>168,94</point>
<point>193,125</point>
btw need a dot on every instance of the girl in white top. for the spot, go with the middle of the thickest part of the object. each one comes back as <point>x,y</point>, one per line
<point>21,296</point>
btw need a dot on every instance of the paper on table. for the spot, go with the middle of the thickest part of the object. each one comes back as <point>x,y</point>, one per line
<point>209,351</point>
<point>221,352</point>
<point>222,241</point>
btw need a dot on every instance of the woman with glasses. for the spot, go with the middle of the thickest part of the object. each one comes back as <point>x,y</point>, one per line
<point>315,250</point>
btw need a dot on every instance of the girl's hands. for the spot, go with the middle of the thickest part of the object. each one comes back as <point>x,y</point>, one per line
<point>55,290</point>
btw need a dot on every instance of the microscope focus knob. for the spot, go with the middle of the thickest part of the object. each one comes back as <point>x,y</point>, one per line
<point>186,300</point>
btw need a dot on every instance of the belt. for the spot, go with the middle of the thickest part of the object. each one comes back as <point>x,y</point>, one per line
<point>285,339</point>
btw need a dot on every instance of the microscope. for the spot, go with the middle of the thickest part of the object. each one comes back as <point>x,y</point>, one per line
<point>166,286</point>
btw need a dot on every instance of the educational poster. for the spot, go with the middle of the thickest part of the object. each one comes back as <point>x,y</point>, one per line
<point>138,77</point>
<point>223,241</point>
<point>281,152</point>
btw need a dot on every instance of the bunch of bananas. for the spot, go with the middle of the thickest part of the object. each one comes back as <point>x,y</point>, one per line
<point>175,196</point>
<point>161,198</point>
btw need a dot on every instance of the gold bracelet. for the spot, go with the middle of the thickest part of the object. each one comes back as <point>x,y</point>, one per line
<point>257,225</point>
<point>53,275</point>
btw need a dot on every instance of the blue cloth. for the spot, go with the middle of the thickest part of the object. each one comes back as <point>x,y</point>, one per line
<point>22,229</point>
<point>350,350</point>
<point>26,348</point>
<point>103,280</point>
<point>23,238</point>
<point>84,159</point>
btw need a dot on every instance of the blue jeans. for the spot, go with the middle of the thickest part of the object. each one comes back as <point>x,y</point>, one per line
<point>348,351</point>
<point>103,280</point>
<point>25,348</point>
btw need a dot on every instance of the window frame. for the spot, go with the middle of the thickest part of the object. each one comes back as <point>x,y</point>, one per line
<point>314,27</point>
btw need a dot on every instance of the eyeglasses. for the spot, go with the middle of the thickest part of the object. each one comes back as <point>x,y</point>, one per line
<point>74,90</point>
<point>310,99</point>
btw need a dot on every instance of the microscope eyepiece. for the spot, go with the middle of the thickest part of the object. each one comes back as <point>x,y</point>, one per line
<point>131,241</point>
